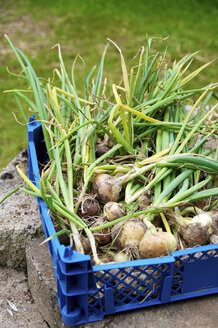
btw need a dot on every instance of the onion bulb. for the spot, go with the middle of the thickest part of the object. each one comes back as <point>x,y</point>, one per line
<point>198,230</point>
<point>103,146</point>
<point>103,237</point>
<point>128,235</point>
<point>214,217</point>
<point>121,257</point>
<point>101,149</point>
<point>113,210</point>
<point>90,207</point>
<point>157,243</point>
<point>86,244</point>
<point>214,239</point>
<point>144,202</point>
<point>106,188</point>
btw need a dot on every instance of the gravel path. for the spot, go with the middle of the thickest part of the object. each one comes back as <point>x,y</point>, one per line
<point>13,287</point>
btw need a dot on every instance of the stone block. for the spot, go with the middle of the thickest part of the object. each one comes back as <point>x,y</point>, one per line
<point>19,216</point>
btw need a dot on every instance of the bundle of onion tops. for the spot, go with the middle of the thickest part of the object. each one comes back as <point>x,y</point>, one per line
<point>130,173</point>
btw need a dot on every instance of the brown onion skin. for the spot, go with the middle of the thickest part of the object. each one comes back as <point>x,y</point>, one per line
<point>106,188</point>
<point>103,237</point>
<point>90,207</point>
<point>195,235</point>
<point>103,146</point>
<point>63,239</point>
<point>214,239</point>
<point>214,217</point>
<point>86,245</point>
<point>101,149</point>
<point>144,202</point>
<point>155,244</point>
<point>108,259</point>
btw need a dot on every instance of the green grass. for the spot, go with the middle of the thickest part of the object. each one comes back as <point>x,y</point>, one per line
<point>83,27</point>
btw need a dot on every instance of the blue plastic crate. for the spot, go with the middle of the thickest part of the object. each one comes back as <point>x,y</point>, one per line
<point>86,293</point>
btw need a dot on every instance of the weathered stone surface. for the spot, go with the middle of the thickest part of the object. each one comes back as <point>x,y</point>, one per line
<point>42,283</point>
<point>19,217</point>
<point>14,288</point>
<point>199,312</point>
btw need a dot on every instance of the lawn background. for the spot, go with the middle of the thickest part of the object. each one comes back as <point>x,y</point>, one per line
<point>83,27</point>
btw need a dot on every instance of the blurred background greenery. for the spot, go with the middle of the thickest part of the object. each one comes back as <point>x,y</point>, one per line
<point>83,27</point>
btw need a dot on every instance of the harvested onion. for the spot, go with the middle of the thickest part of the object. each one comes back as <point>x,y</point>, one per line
<point>103,146</point>
<point>113,210</point>
<point>90,207</point>
<point>103,236</point>
<point>101,149</point>
<point>86,245</point>
<point>107,188</point>
<point>144,202</point>
<point>128,236</point>
<point>121,257</point>
<point>198,230</point>
<point>157,243</point>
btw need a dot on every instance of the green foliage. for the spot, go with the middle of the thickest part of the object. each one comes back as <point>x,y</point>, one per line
<point>83,27</point>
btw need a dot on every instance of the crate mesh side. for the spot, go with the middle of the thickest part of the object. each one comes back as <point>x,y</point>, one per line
<point>180,262</point>
<point>94,302</point>
<point>130,285</point>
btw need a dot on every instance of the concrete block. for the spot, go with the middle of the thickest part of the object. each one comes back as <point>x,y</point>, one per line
<point>42,282</point>
<point>19,217</point>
